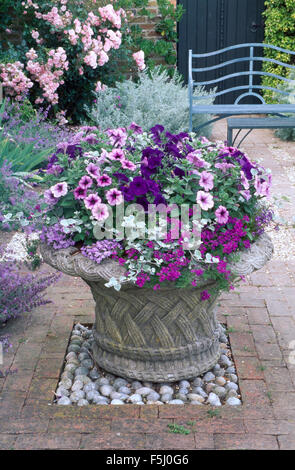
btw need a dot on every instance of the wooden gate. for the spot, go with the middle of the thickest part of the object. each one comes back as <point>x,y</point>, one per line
<point>209,25</point>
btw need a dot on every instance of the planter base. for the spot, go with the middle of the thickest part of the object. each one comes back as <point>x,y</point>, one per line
<point>162,371</point>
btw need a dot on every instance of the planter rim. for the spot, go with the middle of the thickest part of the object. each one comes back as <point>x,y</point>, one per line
<point>73,263</point>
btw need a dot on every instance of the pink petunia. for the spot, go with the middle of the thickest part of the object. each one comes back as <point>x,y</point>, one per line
<point>128,165</point>
<point>244,180</point>
<point>224,166</point>
<point>246,194</point>
<point>222,215</point>
<point>206,181</point>
<point>100,212</point>
<point>196,159</point>
<point>116,154</point>
<point>85,182</point>
<point>205,200</point>
<point>60,189</point>
<point>93,170</point>
<point>104,180</point>
<point>91,200</point>
<point>80,193</point>
<point>114,197</point>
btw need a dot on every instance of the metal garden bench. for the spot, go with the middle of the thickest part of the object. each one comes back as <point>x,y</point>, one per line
<point>250,89</point>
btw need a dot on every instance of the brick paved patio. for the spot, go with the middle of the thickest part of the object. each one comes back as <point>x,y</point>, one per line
<point>261,318</point>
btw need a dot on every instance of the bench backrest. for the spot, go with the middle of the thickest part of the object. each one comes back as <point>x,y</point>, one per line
<point>247,89</point>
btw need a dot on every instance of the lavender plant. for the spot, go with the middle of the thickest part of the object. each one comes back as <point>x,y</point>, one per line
<point>154,98</point>
<point>18,202</point>
<point>20,293</point>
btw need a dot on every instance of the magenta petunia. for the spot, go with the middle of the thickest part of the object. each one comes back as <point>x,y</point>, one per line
<point>100,212</point>
<point>80,193</point>
<point>85,182</point>
<point>114,197</point>
<point>206,181</point>
<point>104,180</point>
<point>205,200</point>
<point>91,200</point>
<point>60,189</point>
<point>222,215</point>
<point>205,295</point>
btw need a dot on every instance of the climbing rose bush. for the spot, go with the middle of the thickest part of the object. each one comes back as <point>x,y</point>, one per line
<point>67,52</point>
<point>92,177</point>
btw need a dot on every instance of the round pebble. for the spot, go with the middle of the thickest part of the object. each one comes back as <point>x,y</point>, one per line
<point>82,402</point>
<point>62,392</point>
<point>134,398</point>
<point>94,374</point>
<point>176,402</point>
<point>64,401</point>
<point>65,383</point>
<point>184,384</point>
<point>153,396</point>
<point>166,397</point>
<point>208,377</point>
<point>102,381</point>
<point>77,385</point>
<point>231,386</point>
<point>77,395</point>
<point>106,390</point>
<point>195,397</point>
<point>213,399</point>
<point>117,402</point>
<point>220,381</point>
<point>166,389</point>
<point>144,391</point>
<point>233,401</point>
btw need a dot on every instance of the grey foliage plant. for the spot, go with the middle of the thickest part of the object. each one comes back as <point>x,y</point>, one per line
<point>289,132</point>
<point>154,99</point>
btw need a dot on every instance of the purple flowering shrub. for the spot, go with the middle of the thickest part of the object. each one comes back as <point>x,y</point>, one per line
<point>92,176</point>
<point>29,127</point>
<point>20,293</point>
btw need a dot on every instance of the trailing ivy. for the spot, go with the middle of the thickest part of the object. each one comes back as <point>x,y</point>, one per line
<point>279,31</point>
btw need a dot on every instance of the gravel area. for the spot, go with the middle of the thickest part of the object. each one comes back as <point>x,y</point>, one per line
<point>82,383</point>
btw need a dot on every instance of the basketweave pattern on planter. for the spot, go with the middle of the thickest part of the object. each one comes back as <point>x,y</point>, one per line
<point>127,322</point>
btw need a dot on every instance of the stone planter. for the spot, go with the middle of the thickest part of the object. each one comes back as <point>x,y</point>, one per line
<point>158,336</point>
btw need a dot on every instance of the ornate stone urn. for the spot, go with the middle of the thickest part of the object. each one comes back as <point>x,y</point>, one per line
<point>158,336</point>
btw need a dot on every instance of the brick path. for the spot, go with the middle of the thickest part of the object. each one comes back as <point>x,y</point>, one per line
<point>261,318</point>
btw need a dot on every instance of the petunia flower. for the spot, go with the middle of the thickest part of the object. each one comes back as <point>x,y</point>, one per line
<point>100,212</point>
<point>114,197</point>
<point>80,193</point>
<point>128,165</point>
<point>206,181</point>
<point>205,200</point>
<point>93,170</point>
<point>91,200</point>
<point>60,189</point>
<point>85,182</point>
<point>222,215</point>
<point>104,180</point>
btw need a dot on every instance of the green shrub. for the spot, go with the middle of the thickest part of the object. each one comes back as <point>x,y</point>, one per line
<point>279,31</point>
<point>154,99</point>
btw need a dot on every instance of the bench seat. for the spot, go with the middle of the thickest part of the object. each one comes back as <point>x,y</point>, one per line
<point>257,123</point>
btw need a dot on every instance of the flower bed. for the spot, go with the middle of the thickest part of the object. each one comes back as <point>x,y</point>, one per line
<point>98,174</point>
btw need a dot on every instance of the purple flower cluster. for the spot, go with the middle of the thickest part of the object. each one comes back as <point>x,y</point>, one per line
<point>229,154</point>
<point>262,220</point>
<point>54,235</point>
<point>21,293</point>
<point>101,250</point>
<point>6,344</point>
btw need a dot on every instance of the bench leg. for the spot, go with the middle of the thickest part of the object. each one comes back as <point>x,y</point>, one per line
<point>229,136</point>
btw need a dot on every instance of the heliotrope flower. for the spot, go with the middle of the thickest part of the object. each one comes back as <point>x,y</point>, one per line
<point>206,181</point>
<point>222,215</point>
<point>104,180</point>
<point>59,189</point>
<point>85,182</point>
<point>91,200</point>
<point>80,193</point>
<point>205,200</point>
<point>100,212</point>
<point>93,170</point>
<point>114,197</point>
